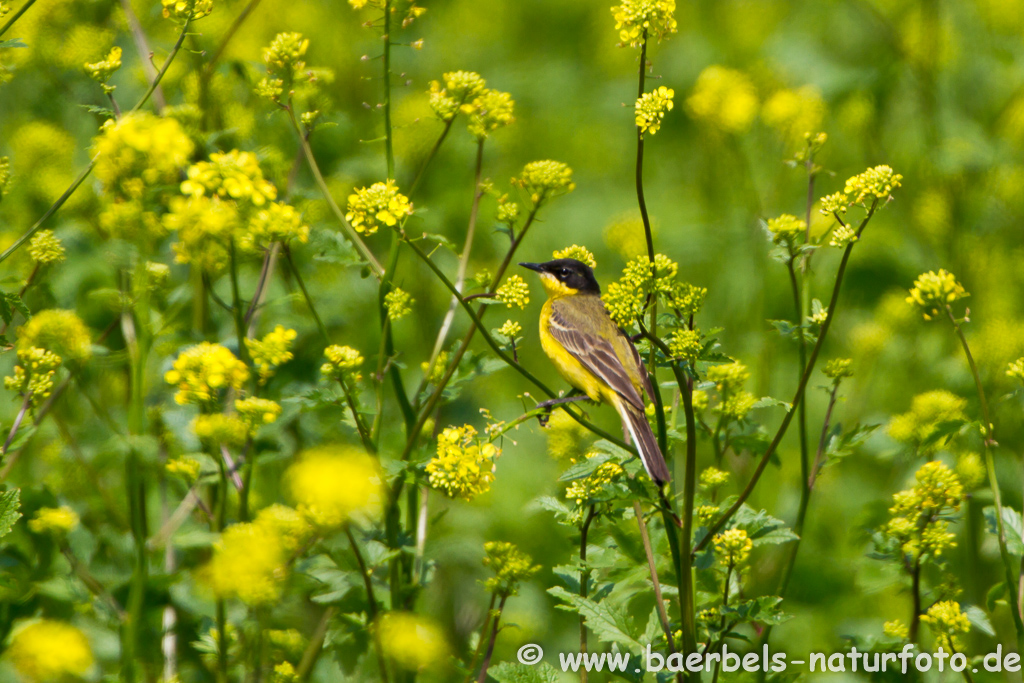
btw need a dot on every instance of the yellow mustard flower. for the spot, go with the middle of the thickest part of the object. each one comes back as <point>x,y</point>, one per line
<point>49,650</point>
<point>705,514</point>
<point>492,109</point>
<point>333,484</point>
<point>139,150</point>
<point>412,642</point>
<point>933,292</point>
<point>56,521</point>
<point>205,228</point>
<point>843,236</point>
<point>927,412</point>
<point>510,566</point>
<point>543,180</point>
<point>182,10</point>
<point>377,205</point>
<point>514,292</point>
<point>218,430</point>
<point>713,478</point>
<point>896,629</point>
<point>184,466</point>
<point>458,89</point>
<point>877,182</point>
<point>581,254</point>
<point>102,70</point>
<point>399,303</point>
<point>271,351</point>
<point>947,621</point>
<point>5,174</point>
<point>463,466</point>
<point>787,229</point>
<point>971,471</point>
<point>838,368</point>
<point>60,331</point>
<point>733,546</point>
<point>200,372</point>
<point>510,329</point>
<point>233,175</point>
<point>342,363</point>
<point>287,50</point>
<point>248,563</point>
<point>723,98</point>
<point>686,345</point>
<point>1015,370</point>
<point>256,412</point>
<point>33,375</point>
<point>637,20</point>
<point>651,108</point>
<point>589,488</point>
<point>45,248</point>
<point>435,373</point>
<point>835,203</point>
<point>275,222</point>
<point>728,377</point>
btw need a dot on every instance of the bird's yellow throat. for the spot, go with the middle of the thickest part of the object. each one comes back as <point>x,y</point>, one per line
<point>554,288</point>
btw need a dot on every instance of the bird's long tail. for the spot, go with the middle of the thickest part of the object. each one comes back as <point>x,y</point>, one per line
<point>635,424</point>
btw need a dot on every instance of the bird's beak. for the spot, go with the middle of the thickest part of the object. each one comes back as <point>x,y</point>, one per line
<point>533,266</point>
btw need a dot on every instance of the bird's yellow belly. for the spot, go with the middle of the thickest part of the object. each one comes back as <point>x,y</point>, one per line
<point>568,367</point>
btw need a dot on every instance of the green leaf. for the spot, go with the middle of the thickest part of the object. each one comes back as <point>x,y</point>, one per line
<point>1012,525</point>
<point>11,303</point>
<point>100,111</point>
<point>514,672</point>
<point>13,42</point>
<point>995,594</point>
<point>762,528</point>
<point>769,402</point>
<point>979,620</point>
<point>585,467</point>
<point>764,610</point>
<point>10,504</point>
<point>609,623</point>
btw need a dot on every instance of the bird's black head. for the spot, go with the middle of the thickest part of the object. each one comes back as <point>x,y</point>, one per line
<point>565,274</point>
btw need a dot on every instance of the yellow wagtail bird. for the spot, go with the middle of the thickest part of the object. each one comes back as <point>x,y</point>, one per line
<point>594,355</point>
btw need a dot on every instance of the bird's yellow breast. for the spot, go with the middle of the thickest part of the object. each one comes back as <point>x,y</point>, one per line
<point>568,367</point>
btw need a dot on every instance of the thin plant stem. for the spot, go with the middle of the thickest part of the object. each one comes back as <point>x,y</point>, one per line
<point>371,602</point>
<point>316,645</point>
<point>305,293</point>
<point>494,636</point>
<point>480,641</point>
<point>16,16</point>
<point>659,601</point>
<point>915,590</point>
<point>797,397</point>
<point>988,437</point>
<point>353,236</point>
<point>228,36</point>
<point>17,423</point>
<point>389,143</point>
<point>142,47</point>
<point>90,582</point>
<point>415,183</point>
<point>585,581</point>
<point>364,432</point>
<point>163,70</point>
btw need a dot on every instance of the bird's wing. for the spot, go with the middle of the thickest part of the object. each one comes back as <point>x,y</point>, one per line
<point>597,355</point>
<point>641,369</point>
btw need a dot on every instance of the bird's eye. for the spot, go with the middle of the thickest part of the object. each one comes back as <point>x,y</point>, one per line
<point>564,272</point>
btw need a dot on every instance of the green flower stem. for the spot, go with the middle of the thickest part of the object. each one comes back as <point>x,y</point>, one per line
<point>378,376</point>
<point>401,395</point>
<point>316,645</point>
<point>460,278</point>
<point>797,397</point>
<point>17,423</point>
<point>237,311</point>
<point>659,601</point>
<point>371,601</point>
<point>482,678</point>
<point>360,245</point>
<point>414,185</point>
<point>364,432</point>
<point>16,16</point>
<point>144,50</point>
<point>77,182</point>
<point>389,142</point>
<point>305,294</point>
<point>988,437</point>
<point>228,36</point>
<point>91,582</point>
<point>480,641</point>
<point>585,581</point>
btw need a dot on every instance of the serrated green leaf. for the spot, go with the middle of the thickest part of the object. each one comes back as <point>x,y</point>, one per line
<point>1012,525</point>
<point>10,510</point>
<point>514,672</point>
<point>609,622</point>
<point>585,467</point>
<point>13,42</point>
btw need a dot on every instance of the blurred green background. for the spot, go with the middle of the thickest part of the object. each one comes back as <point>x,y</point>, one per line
<point>931,87</point>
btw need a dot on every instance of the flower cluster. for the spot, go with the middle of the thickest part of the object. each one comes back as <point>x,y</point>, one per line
<point>250,559</point>
<point>184,466</point>
<point>377,205</point>
<point>896,629</point>
<point>204,227</point>
<point>510,329</point>
<point>57,330</point>
<point>5,175</point>
<point>399,303</point>
<point>651,108</point>
<point>514,292</point>
<point>510,566</point>
<point>233,175</point>
<point>271,351</point>
<point>581,254</point>
<point>713,478</point>
<point>928,412</point>
<point>724,99</point>
<point>933,292</point>
<point>218,429</point>
<point>543,180</point>
<point>183,10</point>
<point>412,642</point>
<point>584,491</point>
<point>947,621</point>
<point>102,70</point>
<point>733,546</point>
<point>256,412</point>
<point>916,526</point>
<point>459,88</point>
<point>625,299</point>
<point>877,182</point>
<point>733,402</point>
<point>333,484</point>
<point>970,470</point>
<point>48,650</point>
<point>45,248</point>
<point>56,521</point>
<point>636,20</point>
<point>463,466</point>
<point>33,375</point>
<point>276,222</point>
<point>1015,370</point>
<point>786,229</point>
<point>838,368</point>
<point>140,150</point>
<point>342,363</point>
<point>285,64</point>
<point>843,236</point>
<point>686,345</point>
<point>202,371</point>
<point>491,110</point>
